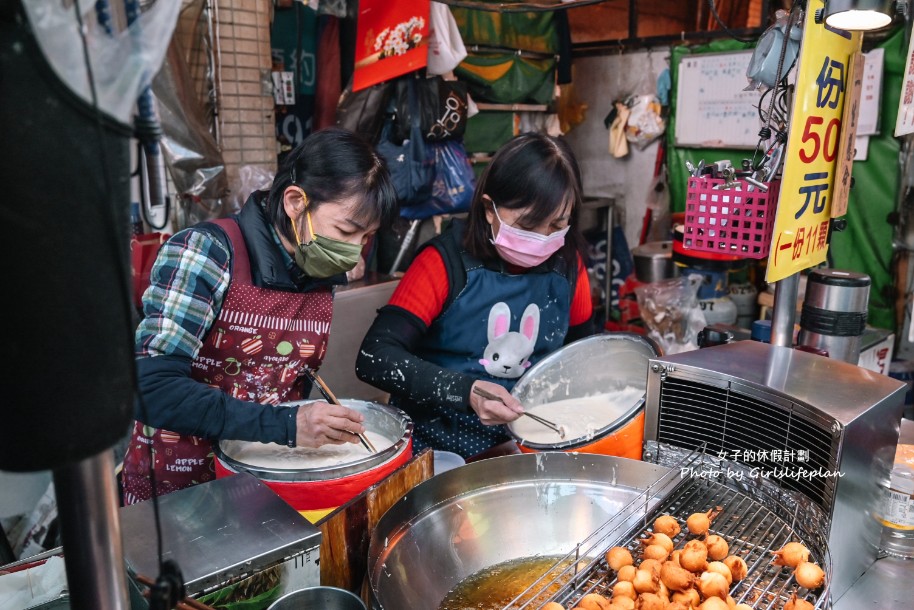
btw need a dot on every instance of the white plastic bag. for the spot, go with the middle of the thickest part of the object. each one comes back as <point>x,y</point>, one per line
<point>671,312</point>
<point>123,63</point>
<point>445,45</point>
<point>645,121</point>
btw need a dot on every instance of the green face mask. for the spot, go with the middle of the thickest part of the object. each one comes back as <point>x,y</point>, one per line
<point>322,256</point>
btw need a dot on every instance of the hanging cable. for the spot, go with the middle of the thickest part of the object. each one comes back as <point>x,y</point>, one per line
<point>167,569</point>
<point>765,132</point>
<point>723,25</point>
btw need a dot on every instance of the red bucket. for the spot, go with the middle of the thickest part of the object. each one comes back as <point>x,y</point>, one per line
<point>318,491</point>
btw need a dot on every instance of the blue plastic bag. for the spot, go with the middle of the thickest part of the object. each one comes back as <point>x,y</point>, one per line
<point>452,186</point>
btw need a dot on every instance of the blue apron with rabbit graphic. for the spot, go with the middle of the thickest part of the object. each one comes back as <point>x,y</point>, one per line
<point>495,329</point>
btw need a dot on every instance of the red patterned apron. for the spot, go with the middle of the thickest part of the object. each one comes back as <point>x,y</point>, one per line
<point>256,350</point>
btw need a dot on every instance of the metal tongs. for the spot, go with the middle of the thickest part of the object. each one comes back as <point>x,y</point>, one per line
<point>331,398</point>
<point>560,430</point>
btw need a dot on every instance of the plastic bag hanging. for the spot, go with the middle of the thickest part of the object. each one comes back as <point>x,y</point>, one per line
<point>123,64</point>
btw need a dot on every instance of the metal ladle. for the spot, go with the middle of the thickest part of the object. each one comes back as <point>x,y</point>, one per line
<point>560,430</point>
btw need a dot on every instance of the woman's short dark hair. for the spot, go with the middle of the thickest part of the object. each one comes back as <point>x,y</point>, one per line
<point>532,171</point>
<point>330,165</point>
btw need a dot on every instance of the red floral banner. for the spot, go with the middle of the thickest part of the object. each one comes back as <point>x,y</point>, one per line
<point>392,39</point>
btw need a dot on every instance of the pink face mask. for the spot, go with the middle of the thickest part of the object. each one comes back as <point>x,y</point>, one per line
<point>526,248</point>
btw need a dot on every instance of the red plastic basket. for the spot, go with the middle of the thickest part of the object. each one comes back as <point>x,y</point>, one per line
<point>735,221</point>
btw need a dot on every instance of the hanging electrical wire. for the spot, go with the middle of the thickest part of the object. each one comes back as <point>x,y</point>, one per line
<point>778,91</point>
<point>723,25</point>
<point>169,580</point>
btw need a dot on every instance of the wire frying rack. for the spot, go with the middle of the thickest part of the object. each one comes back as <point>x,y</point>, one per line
<point>752,530</point>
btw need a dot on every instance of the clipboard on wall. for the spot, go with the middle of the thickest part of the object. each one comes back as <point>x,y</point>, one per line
<point>712,108</point>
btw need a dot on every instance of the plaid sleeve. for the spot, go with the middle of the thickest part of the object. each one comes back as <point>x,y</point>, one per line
<point>187,286</point>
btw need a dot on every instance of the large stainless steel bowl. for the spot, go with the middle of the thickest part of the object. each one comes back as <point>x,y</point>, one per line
<point>492,511</point>
<point>597,364</point>
<point>383,419</point>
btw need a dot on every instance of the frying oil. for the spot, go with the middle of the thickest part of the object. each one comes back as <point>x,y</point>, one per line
<point>496,586</point>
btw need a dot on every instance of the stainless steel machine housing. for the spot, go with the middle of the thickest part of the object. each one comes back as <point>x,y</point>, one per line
<point>223,532</point>
<point>793,420</point>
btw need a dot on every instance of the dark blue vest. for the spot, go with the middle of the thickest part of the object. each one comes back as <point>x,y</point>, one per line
<point>497,325</point>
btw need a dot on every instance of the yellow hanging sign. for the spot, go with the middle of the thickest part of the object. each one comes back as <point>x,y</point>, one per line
<point>804,205</point>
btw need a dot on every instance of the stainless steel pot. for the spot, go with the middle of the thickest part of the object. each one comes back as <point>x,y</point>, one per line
<point>654,261</point>
<point>596,364</point>
<point>383,419</point>
<point>488,512</point>
<point>318,598</point>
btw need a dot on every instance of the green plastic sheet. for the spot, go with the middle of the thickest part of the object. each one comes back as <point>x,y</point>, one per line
<point>866,245</point>
<point>488,130</point>
<point>508,78</point>
<point>525,31</point>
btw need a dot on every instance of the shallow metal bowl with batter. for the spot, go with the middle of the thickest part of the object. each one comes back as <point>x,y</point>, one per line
<point>493,511</point>
<point>382,419</point>
<point>594,365</point>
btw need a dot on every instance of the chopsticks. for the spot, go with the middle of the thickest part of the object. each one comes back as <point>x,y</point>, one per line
<point>490,396</point>
<point>188,603</point>
<point>331,398</point>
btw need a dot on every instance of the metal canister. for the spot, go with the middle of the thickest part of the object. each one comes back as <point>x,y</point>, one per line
<point>834,312</point>
<point>654,261</point>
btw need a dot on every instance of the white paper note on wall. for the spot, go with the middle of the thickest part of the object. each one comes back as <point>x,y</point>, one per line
<point>871,93</point>
<point>712,108</point>
<point>904,124</point>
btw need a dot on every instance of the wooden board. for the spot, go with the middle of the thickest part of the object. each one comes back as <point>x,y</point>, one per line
<point>847,143</point>
<point>347,530</point>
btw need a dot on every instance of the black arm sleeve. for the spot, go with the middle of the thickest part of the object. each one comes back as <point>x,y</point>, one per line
<point>579,331</point>
<point>174,401</point>
<point>387,361</point>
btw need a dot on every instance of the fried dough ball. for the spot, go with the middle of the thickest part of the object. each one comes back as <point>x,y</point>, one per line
<point>722,569</point>
<point>714,603</point>
<point>649,601</point>
<point>627,573</point>
<point>666,524</point>
<point>659,539</point>
<point>738,567</point>
<point>717,547</point>
<point>809,575</point>
<point>791,554</point>
<point>712,584</point>
<point>676,578</point>
<point>594,601</point>
<point>795,603</point>
<point>694,556</point>
<point>617,557</point>
<point>699,523</point>
<point>655,551</point>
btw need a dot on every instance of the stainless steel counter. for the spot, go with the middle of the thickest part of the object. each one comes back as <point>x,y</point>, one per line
<point>889,582</point>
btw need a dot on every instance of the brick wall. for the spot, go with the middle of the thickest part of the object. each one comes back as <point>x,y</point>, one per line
<point>244,89</point>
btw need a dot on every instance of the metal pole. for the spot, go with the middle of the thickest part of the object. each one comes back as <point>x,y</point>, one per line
<point>785,310</point>
<point>91,532</point>
<point>407,240</point>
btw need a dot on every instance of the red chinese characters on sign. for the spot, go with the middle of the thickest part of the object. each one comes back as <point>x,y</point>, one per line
<point>820,143</point>
<point>811,159</point>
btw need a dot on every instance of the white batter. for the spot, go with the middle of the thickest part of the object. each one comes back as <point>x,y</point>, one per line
<point>580,417</point>
<point>271,455</point>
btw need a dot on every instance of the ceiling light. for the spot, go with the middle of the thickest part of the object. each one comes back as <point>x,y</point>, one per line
<point>858,14</point>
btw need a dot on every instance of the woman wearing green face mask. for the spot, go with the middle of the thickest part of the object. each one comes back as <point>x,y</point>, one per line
<point>238,308</point>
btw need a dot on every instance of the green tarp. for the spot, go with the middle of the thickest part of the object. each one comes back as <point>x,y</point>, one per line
<point>866,245</point>
<point>526,31</point>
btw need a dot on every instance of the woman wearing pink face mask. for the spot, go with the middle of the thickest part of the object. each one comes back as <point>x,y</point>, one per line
<point>485,300</point>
